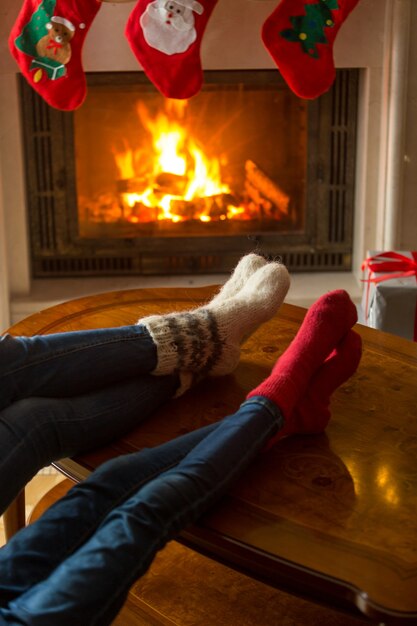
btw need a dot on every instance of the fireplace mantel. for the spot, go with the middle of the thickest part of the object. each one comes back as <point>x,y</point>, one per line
<point>374,39</point>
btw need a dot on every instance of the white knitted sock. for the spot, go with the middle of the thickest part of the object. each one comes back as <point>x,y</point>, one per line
<point>207,341</point>
<point>240,275</point>
<point>239,317</point>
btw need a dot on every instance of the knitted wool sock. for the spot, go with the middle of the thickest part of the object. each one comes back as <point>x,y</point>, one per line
<point>207,341</point>
<point>47,41</point>
<point>247,266</point>
<point>300,35</point>
<point>324,325</point>
<point>166,37</point>
<point>312,414</point>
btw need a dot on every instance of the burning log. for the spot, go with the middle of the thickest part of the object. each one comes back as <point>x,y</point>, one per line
<point>143,214</point>
<point>258,181</point>
<point>256,197</point>
<point>132,185</point>
<point>183,208</point>
<point>172,184</point>
<point>207,208</point>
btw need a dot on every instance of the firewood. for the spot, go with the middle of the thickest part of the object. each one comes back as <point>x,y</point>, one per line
<point>216,207</point>
<point>132,185</point>
<point>183,208</point>
<point>172,184</point>
<point>213,207</point>
<point>256,196</point>
<point>143,214</point>
<point>267,187</point>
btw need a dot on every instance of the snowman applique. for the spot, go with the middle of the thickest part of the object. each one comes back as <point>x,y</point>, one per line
<point>168,25</point>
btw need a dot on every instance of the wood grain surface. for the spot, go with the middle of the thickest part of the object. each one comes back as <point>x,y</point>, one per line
<point>184,588</point>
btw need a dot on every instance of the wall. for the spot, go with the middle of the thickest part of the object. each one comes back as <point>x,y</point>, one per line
<point>408,222</point>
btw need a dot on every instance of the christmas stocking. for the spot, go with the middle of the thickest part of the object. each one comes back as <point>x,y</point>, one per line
<point>299,35</point>
<point>165,36</point>
<point>46,41</point>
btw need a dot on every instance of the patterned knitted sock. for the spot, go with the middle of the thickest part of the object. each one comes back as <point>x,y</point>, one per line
<point>247,266</point>
<point>312,413</point>
<point>207,341</point>
<point>324,325</point>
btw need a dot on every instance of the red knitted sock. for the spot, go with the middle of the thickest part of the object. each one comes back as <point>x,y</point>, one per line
<point>324,325</point>
<point>312,414</point>
<point>166,37</point>
<point>47,41</point>
<point>299,35</point>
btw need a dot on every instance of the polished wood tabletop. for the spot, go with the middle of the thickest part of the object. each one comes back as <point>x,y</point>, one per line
<point>332,517</point>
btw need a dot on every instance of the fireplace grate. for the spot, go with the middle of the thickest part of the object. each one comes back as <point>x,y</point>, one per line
<point>88,265</point>
<point>198,264</point>
<point>323,242</point>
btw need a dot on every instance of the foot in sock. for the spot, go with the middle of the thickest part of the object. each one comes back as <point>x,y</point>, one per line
<point>206,341</point>
<point>312,414</point>
<point>324,325</point>
<point>247,266</point>
<point>239,316</point>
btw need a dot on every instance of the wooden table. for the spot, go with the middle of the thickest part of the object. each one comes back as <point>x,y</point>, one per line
<point>331,517</point>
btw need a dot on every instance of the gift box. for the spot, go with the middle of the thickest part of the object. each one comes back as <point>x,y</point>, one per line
<point>389,299</point>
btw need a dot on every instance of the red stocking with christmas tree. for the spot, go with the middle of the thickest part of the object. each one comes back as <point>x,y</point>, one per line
<point>299,35</point>
<point>165,36</point>
<point>47,41</point>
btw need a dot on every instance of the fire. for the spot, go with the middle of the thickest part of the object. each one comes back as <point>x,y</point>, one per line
<point>179,181</point>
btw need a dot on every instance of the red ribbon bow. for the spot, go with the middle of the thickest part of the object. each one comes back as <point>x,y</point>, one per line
<point>55,45</point>
<point>397,265</point>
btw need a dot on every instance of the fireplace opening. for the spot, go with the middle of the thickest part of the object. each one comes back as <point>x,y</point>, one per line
<point>199,167</point>
<point>134,183</point>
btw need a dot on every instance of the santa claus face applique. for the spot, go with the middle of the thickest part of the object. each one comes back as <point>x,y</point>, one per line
<point>168,25</point>
<point>166,36</point>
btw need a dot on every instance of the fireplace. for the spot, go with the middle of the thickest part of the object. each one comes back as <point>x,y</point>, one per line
<point>133,183</point>
<point>385,161</point>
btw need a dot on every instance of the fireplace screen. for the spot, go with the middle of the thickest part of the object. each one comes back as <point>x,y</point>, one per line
<point>133,182</point>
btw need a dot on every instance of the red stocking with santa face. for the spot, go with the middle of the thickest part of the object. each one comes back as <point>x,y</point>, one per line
<point>47,41</point>
<point>165,36</point>
<point>299,35</point>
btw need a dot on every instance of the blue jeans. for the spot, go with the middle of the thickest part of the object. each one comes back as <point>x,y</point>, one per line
<point>67,393</point>
<point>82,556</point>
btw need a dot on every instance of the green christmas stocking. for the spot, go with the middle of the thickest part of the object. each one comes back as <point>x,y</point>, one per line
<point>299,35</point>
<point>47,41</point>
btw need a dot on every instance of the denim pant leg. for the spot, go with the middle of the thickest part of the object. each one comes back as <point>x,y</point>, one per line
<point>72,363</point>
<point>33,553</point>
<point>95,580</point>
<point>36,431</point>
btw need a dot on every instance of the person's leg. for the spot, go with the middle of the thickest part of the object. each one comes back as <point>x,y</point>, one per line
<point>28,558</point>
<point>124,545</point>
<point>37,431</point>
<point>73,363</point>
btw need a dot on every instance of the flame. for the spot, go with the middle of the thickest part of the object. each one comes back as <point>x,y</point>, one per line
<point>168,140</point>
<point>189,174</point>
<point>125,162</point>
<point>207,179</point>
